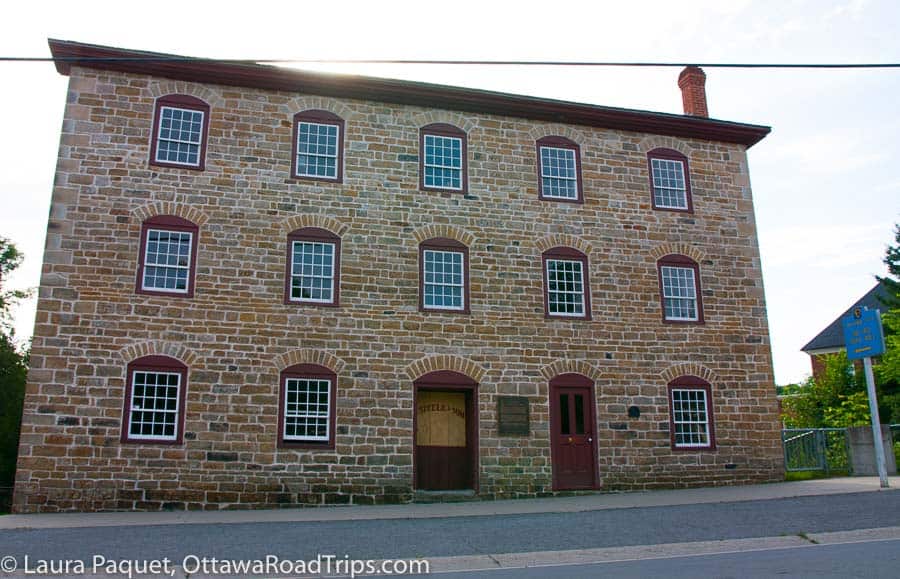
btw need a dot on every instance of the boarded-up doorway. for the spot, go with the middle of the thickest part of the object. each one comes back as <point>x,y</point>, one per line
<point>445,437</point>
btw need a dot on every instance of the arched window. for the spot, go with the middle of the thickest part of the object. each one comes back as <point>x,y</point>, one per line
<point>691,424</point>
<point>168,256</point>
<point>154,401</point>
<point>313,267</point>
<point>180,129</point>
<point>670,180</point>
<point>306,407</point>
<point>679,289</point>
<point>443,276</point>
<point>566,290</point>
<point>559,169</point>
<point>442,158</point>
<point>318,146</point>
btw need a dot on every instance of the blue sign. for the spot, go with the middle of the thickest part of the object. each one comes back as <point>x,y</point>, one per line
<point>863,335</point>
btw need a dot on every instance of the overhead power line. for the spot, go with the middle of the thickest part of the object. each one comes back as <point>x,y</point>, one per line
<point>453,62</point>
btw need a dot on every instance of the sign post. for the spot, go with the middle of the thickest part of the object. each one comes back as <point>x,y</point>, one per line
<point>864,338</point>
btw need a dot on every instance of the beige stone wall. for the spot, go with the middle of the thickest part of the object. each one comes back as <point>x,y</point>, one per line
<point>236,334</point>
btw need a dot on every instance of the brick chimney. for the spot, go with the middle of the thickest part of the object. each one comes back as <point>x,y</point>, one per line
<point>692,82</point>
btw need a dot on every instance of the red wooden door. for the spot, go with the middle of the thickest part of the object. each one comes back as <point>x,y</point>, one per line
<point>572,437</point>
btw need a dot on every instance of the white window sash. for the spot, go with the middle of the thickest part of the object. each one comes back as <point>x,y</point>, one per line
<point>667,294</point>
<point>544,175</point>
<point>704,422</point>
<point>461,285</point>
<point>132,408</point>
<point>580,295</point>
<point>335,156</point>
<point>326,414</point>
<point>294,273</point>
<point>457,169</point>
<point>187,267</point>
<point>198,143</point>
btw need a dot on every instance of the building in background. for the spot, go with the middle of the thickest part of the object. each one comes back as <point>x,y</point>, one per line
<point>831,339</point>
<point>265,287</point>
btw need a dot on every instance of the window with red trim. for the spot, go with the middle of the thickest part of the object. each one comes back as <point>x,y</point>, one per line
<point>679,289</point>
<point>670,180</point>
<point>168,256</point>
<point>559,169</point>
<point>566,289</point>
<point>443,276</point>
<point>313,273</point>
<point>180,129</point>
<point>691,424</point>
<point>318,146</point>
<point>442,158</point>
<point>154,401</point>
<point>306,407</point>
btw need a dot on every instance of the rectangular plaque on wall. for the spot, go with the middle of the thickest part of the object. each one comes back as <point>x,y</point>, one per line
<point>512,416</point>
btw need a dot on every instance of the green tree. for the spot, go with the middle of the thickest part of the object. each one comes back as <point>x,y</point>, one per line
<point>13,367</point>
<point>887,371</point>
<point>817,402</point>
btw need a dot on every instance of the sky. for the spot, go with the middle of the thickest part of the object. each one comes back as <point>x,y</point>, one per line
<point>826,191</point>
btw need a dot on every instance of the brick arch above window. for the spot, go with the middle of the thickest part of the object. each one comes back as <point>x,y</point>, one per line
<point>457,120</point>
<point>159,348</point>
<point>559,367</point>
<point>308,356</point>
<point>182,210</point>
<point>438,362</point>
<point>180,132</point>
<point>563,240</point>
<point>443,230</point>
<point>680,292</point>
<point>201,92</point>
<point>689,369</point>
<point>330,224</point>
<point>318,146</point>
<point>313,267</point>
<point>309,102</point>
<point>652,142</point>
<point>541,131</point>
<point>679,249</point>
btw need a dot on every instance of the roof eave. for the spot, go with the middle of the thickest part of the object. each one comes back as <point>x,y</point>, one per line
<point>67,54</point>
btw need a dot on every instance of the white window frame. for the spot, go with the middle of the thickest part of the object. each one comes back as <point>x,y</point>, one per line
<point>681,191</point>
<point>550,292</point>
<point>676,422</point>
<point>461,285</point>
<point>426,164</point>
<point>307,415</point>
<point>666,288</point>
<point>336,156</point>
<point>160,139</point>
<point>294,274</point>
<point>147,264</point>
<point>573,179</point>
<point>132,408</point>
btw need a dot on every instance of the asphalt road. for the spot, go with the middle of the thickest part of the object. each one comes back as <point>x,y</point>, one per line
<point>377,539</point>
<point>864,560</point>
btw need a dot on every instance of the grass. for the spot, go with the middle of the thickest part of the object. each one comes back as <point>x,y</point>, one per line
<point>813,474</point>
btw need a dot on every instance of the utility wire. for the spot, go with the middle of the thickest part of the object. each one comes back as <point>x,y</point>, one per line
<point>89,59</point>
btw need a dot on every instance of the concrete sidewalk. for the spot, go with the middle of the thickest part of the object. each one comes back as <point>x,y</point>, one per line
<point>591,502</point>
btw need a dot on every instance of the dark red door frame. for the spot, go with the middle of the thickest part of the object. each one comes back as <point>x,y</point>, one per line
<point>449,381</point>
<point>574,381</point>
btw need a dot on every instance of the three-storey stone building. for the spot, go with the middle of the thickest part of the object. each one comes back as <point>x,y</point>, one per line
<point>266,287</point>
